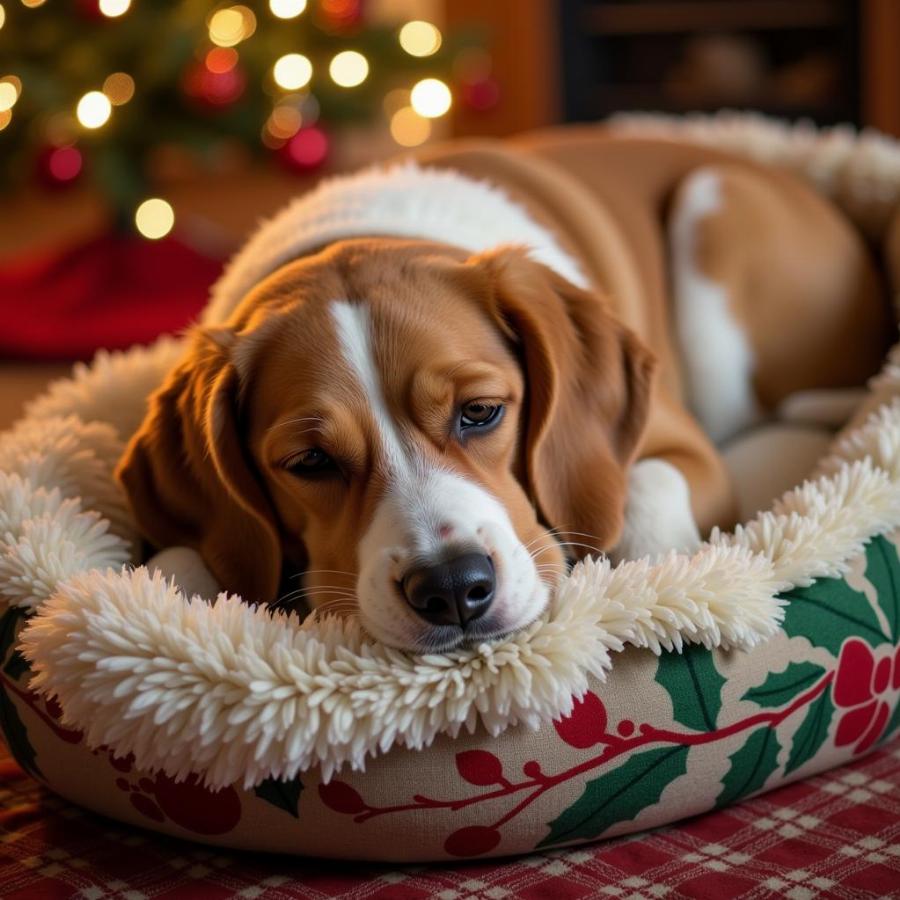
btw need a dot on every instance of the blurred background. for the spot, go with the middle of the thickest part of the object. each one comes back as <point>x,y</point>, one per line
<point>141,140</point>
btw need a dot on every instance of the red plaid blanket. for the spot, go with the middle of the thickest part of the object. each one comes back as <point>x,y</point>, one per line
<point>837,835</point>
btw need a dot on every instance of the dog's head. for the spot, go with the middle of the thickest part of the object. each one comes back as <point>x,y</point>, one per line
<point>423,435</point>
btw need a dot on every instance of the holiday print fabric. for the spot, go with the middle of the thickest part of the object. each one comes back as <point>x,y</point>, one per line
<point>666,737</point>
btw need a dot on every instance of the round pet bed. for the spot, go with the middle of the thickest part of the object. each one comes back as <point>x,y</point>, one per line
<point>645,694</point>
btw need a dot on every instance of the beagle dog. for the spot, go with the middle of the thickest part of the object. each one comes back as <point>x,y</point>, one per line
<point>420,393</point>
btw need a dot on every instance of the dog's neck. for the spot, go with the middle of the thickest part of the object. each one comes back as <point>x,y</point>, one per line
<point>405,201</point>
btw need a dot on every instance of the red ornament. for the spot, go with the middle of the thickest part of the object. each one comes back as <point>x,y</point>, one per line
<point>306,150</point>
<point>213,88</point>
<point>58,167</point>
<point>481,95</point>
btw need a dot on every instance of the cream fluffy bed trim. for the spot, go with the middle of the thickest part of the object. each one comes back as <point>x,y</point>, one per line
<point>239,695</point>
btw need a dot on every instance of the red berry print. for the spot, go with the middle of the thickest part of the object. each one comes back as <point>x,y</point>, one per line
<point>475,840</point>
<point>342,798</point>
<point>479,767</point>
<point>586,725</point>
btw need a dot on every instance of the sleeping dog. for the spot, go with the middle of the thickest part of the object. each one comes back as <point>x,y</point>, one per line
<point>422,390</point>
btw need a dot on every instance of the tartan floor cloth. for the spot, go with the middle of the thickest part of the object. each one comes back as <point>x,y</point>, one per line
<point>836,835</point>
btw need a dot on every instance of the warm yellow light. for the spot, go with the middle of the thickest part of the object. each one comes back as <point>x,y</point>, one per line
<point>395,100</point>
<point>94,109</point>
<point>232,25</point>
<point>33,4</point>
<point>284,122</point>
<point>119,87</point>
<point>5,119</point>
<point>287,9</point>
<point>349,68</point>
<point>154,218</point>
<point>2,15</point>
<point>113,8</point>
<point>8,95</point>
<point>292,71</point>
<point>420,38</point>
<point>408,128</point>
<point>431,98</point>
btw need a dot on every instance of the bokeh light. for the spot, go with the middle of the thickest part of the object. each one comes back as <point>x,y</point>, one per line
<point>307,149</point>
<point>2,15</point>
<point>348,68</point>
<point>119,87</point>
<point>221,60</point>
<point>408,128</point>
<point>292,71</point>
<point>284,122</point>
<point>64,164</point>
<point>154,218</point>
<point>230,26</point>
<point>287,9</point>
<point>10,88</point>
<point>431,98</point>
<point>5,118</point>
<point>420,38</point>
<point>113,8</point>
<point>94,109</point>
<point>33,4</point>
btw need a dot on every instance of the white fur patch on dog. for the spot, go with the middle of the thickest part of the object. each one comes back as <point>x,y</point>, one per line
<point>717,359</point>
<point>658,515</point>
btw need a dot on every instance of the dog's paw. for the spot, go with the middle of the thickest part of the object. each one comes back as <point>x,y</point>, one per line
<point>658,515</point>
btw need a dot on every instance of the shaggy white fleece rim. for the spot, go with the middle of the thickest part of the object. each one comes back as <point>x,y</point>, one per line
<point>237,694</point>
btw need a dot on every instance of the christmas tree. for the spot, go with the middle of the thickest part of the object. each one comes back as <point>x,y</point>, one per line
<point>107,89</point>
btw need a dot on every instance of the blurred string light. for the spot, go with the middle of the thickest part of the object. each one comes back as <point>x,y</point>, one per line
<point>2,15</point>
<point>64,164</point>
<point>292,71</point>
<point>154,218</point>
<point>431,98</point>
<point>348,68</point>
<point>287,9</point>
<point>114,8</point>
<point>5,118</point>
<point>10,88</point>
<point>94,109</point>
<point>119,87</point>
<point>33,4</point>
<point>229,26</point>
<point>420,38</point>
<point>408,128</point>
<point>220,60</point>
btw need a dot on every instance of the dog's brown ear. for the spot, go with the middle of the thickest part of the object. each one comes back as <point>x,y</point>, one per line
<point>189,481</point>
<point>589,381</point>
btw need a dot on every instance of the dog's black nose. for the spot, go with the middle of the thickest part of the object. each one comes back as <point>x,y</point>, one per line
<point>453,592</point>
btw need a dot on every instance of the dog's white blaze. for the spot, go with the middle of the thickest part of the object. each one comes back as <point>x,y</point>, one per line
<point>354,329</point>
<point>420,503</point>
<point>717,358</point>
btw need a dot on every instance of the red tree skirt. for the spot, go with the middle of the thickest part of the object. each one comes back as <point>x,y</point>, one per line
<point>112,291</point>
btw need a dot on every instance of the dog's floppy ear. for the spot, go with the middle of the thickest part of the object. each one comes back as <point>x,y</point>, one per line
<point>188,478</point>
<point>589,381</point>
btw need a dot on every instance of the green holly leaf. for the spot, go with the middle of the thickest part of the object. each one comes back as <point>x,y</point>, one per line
<point>283,794</point>
<point>619,795</point>
<point>812,732</point>
<point>16,736</point>
<point>781,687</point>
<point>883,570</point>
<point>695,686</point>
<point>9,628</point>
<point>750,767</point>
<point>828,612</point>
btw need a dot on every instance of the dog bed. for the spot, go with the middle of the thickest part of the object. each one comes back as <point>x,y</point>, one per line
<point>646,693</point>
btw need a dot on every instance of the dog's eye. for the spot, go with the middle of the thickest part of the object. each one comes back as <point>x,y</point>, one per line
<point>310,462</point>
<point>478,414</point>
